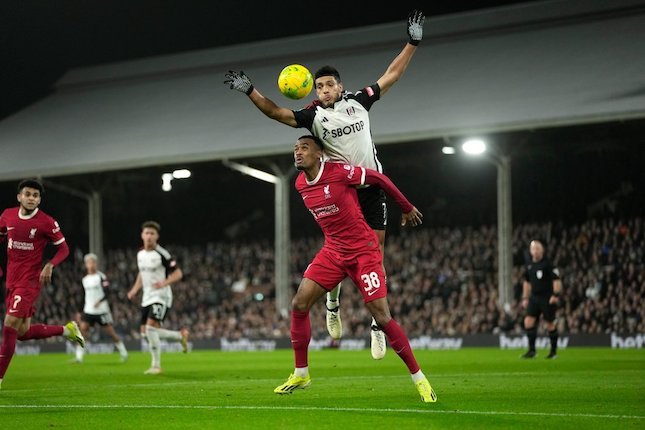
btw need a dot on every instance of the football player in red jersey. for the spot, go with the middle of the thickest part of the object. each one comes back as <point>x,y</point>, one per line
<point>27,230</point>
<point>341,120</point>
<point>351,249</point>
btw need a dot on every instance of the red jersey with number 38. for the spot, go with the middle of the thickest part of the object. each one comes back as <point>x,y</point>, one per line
<point>27,236</point>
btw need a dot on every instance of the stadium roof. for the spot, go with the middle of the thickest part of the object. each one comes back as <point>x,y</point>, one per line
<point>527,66</point>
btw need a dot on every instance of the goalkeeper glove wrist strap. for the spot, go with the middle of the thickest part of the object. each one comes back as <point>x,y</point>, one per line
<point>414,42</point>
<point>249,91</point>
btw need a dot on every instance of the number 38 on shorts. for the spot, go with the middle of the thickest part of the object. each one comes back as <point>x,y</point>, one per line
<point>372,283</point>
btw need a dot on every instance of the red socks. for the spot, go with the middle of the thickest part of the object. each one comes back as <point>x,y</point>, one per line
<point>300,336</point>
<point>42,331</point>
<point>401,345</point>
<point>9,336</point>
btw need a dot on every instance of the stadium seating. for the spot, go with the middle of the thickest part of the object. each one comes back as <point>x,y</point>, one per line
<point>442,281</point>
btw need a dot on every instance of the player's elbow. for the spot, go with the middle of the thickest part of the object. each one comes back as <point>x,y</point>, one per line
<point>282,117</point>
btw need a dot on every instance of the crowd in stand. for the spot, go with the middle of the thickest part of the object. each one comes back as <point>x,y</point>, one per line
<point>441,281</point>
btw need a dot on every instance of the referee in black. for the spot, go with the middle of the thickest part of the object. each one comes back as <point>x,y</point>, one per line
<point>540,295</point>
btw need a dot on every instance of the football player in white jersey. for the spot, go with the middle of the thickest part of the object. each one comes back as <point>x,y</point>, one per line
<point>341,120</point>
<point>157,272</point>
<point>96,309</point>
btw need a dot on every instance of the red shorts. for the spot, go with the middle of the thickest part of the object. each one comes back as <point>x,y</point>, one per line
<point>329,268</point>
<point>20,301</point>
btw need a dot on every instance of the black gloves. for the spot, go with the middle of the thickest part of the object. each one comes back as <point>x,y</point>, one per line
<point>415,26</point>
<point>239,81</point>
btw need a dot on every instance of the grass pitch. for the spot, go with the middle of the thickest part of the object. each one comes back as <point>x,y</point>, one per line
<point>477,388</point>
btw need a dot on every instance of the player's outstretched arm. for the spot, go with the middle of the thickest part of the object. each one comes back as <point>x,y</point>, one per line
<point>411,214</point>
<point>398,66</point>
<point>240,82</point>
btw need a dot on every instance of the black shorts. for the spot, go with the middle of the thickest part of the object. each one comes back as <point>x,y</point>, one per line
<point>102,319</point>
<point>374,207</point>
<point>155,311</point>
<point>540,306</point>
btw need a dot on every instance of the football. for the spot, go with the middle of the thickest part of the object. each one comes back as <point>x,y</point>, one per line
<point>295,81</point>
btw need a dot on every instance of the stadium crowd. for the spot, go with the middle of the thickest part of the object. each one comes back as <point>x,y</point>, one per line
<point>442,281</point>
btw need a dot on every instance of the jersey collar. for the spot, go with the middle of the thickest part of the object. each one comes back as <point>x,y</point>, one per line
<point>317,178</point>
<point>30,216</point>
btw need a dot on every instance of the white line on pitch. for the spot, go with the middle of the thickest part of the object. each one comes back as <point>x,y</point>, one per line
<point>324,409</point>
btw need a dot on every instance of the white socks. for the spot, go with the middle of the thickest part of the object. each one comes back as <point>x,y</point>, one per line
<point>332,296</point>
<point>301,372</point>
<point>80,352</point>
<point>416,377</point>
<point>169,334</point>
<point>155,345</point>
<point>121,348</point>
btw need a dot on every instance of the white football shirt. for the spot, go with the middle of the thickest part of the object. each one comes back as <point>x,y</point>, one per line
<point>95,285</point>
<point>345,127</point>
<point>154,266</point>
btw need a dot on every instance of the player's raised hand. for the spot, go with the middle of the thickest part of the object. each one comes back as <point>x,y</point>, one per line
<point>413,218</point>
<point>239,81</point>
<point>415,26</point>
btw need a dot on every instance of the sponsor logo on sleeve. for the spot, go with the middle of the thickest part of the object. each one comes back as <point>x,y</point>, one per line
<point>351,169</point>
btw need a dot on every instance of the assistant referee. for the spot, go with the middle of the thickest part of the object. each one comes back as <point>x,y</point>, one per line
<point>540,295</point>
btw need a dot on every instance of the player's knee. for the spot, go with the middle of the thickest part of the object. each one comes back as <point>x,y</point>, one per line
<point>529,323</point>
<point>299,303</point>
<point>13,322</point>
<point>381,314</point>
<point>382,320</point>
<point>22,330</point>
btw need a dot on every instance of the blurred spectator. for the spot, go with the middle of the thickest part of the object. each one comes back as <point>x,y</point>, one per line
<point>443,282</point>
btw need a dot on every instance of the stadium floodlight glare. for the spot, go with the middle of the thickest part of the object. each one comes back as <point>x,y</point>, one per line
<point>474,146</point>
<point>449,150</point>
<point>181,174</point>
<point>247,170</point>
<point>166,181</point>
